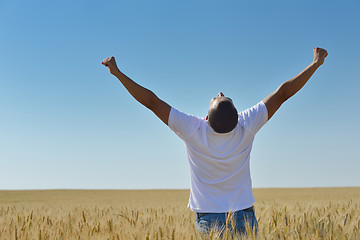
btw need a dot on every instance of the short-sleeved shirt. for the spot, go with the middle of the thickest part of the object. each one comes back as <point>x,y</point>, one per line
<point>219,162</point>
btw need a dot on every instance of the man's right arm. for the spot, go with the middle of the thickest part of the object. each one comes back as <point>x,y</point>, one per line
<point>292,86</point>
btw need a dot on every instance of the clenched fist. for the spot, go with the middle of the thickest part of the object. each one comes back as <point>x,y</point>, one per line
<point>319,55</point>
<point>111,64</point>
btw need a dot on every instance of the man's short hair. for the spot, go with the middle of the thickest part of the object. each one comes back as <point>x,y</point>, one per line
<point>223,118</point>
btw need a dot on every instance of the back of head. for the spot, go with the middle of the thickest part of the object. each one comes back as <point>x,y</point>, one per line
<point>223,117</point>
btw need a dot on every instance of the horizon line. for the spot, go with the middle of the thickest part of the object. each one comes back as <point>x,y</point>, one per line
<point>154,189</point>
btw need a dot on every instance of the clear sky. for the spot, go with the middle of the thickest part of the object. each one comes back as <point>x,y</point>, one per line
<point>67,123</point>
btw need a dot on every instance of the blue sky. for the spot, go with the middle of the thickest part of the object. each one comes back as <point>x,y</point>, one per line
<point>67,123</point>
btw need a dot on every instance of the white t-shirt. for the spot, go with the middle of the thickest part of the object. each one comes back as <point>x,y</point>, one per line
<point>219,162</point>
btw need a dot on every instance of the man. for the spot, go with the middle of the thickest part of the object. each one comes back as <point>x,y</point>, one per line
<point>219,146</point>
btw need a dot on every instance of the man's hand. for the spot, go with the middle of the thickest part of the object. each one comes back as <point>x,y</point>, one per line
<point>319,55</point>
<point>111,64</point>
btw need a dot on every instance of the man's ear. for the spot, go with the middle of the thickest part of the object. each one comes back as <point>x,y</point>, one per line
<point>207,117</point>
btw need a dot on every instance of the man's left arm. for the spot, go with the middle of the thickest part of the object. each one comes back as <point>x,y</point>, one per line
<point>141,94</point>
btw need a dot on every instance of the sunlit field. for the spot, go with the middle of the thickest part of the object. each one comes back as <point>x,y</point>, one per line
<point>317,213</point>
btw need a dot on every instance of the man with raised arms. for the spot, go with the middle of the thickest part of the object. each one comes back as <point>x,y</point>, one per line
<point>218,146</point>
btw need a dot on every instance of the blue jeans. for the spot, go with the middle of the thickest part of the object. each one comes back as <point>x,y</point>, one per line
<point>236,221</point>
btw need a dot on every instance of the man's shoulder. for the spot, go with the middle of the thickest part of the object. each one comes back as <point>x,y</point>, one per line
<point>184,125</point>
<point>254,116</point>
<point>179,114</point>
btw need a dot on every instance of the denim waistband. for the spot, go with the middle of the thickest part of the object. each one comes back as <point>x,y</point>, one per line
<point>250,209</point>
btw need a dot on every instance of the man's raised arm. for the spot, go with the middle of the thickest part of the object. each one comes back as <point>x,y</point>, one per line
<point>289,88</point>
<point>141,94</point>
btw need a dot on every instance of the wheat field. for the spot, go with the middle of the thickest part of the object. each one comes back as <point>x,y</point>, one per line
<point>314,213</point>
